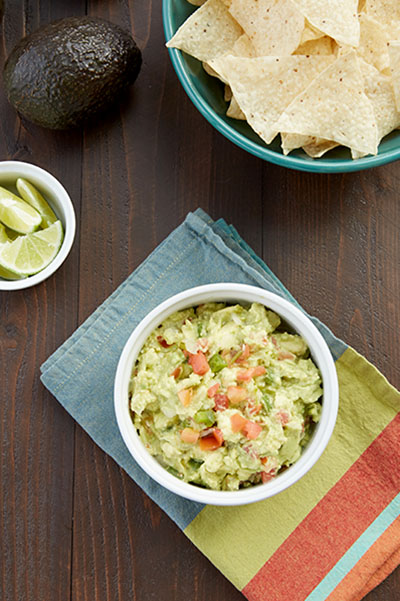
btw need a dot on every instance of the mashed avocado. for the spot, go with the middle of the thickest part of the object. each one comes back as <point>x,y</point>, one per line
<point>223,397</point>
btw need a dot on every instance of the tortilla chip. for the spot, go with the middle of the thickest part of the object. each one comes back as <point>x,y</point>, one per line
<point>394,55</point>
<point>314,147</point>
<point>318,147</point>
<point>336,18</point>
<point>310,33</point>
<point>320,47</point>
<point>244,47</point>
<point>227,93</point>
<point>373,43</point>
<point>264,86</point>
<point>273,26</point>
<point>209,32</point>
<point>334,107</point>
<point>234,111</point>
<point>361,6</point>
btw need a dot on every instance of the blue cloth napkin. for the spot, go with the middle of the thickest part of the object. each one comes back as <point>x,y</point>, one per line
<point>80,374</point>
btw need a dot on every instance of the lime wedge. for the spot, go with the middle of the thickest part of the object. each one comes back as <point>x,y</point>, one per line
<point>6,273</point>
<point>16,214</point>
<point>32,196</point>
<point>27,255</point>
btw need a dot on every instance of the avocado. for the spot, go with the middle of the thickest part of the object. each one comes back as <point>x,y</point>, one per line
<point>69,71</point>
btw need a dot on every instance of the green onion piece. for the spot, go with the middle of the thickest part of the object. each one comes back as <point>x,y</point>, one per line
<point>236,356</point>
<point>217,363</point>
<point>206,417</point>
<point>200,329</point>
<point>174,472</point>
<point>266,401</point>
<point>195,463</point>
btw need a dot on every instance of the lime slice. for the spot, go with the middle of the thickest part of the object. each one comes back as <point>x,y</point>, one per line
<point>36,200</point>
<point>16,214</point>
<point>6,273</point>
<point>27,255</point>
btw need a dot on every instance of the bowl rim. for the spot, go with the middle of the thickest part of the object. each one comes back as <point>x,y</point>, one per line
<point>321,165</point>
<point>239,293</point>
<point>31,170</point>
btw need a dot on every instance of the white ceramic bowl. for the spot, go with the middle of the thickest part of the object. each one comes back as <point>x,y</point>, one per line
<point>230,293</point>
<point>60,202</point>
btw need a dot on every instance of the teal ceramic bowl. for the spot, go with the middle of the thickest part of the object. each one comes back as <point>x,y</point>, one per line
<point>206,93</point>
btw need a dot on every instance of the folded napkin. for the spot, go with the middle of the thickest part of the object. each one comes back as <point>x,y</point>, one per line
<point>333,535</point>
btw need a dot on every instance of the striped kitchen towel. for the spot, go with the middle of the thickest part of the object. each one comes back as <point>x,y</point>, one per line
<point>335,534</point>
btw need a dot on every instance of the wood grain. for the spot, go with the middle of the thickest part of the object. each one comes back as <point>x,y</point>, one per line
<point>74,526</point>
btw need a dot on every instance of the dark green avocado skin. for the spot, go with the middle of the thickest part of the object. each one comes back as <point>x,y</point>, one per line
<point>68,72</point>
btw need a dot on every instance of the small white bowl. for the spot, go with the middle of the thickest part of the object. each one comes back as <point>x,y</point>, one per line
<point>60,202</point>
<point>230,293</point>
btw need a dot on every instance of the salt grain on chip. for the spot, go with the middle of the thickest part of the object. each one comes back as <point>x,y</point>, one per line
<point>336,18</point>
<point>209,32</point>
<point>264,86</point>
<point>335,107</point>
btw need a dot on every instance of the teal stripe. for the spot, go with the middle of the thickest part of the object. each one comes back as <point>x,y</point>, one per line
<point>356,551</point>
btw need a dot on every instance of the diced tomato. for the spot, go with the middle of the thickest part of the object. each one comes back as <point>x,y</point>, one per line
<point>212,441</point>
<point>221,402</point>
<point>274,341</point>
<point>238,422</point>
<point>189,435</point>
<point>212,391</point>
<point>199,363</point>
<point>258,371</point>
<point>236,394</point>
<point>245,354</point>
<point>252,372</point>
<point>253,408</point>
<point>177,372</point>
<point>282,355</point>
<point>267,476</point>
<point>283,417</point>
<point>185,396</point>
<point>251,430</point>
<point>163,342</point>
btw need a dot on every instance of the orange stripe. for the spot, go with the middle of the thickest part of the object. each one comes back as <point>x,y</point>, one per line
<point>334,524</point>
<point>378,562</point>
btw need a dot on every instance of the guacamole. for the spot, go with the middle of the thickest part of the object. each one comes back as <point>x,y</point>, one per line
<point>223,397</point>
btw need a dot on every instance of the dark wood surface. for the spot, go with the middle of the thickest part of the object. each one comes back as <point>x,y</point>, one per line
<point>73,526</point>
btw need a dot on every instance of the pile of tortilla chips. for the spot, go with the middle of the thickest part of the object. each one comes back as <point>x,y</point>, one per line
<point>322,73</point>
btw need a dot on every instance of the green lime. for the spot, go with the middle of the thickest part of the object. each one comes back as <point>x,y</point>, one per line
<point>6,273</point>
<point>32,196</point>
<point>27,255</point>
<point>17,214</point>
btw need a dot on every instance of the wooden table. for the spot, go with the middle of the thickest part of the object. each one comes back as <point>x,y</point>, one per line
<point>73,525</point>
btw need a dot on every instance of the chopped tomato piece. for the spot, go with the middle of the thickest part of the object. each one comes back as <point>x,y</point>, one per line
<point>267,476</point>
<point>163,342</point>
<point>177,372</point>
<point>251,430</point>
<point>258,371</point>
<point>274,341</point>
<point>282,355</point>
<point>189,435</point>
<point>185,396</point>
<point>199,363</point>
<point>212,391</point>
<point>252,372</point>
<point>253,408</point>
<point>212,441</point>
<point>238,422</point>
<point>283,417</point>
<point>221,402</point>
<point>245,354</point>
<point>236,394</point>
